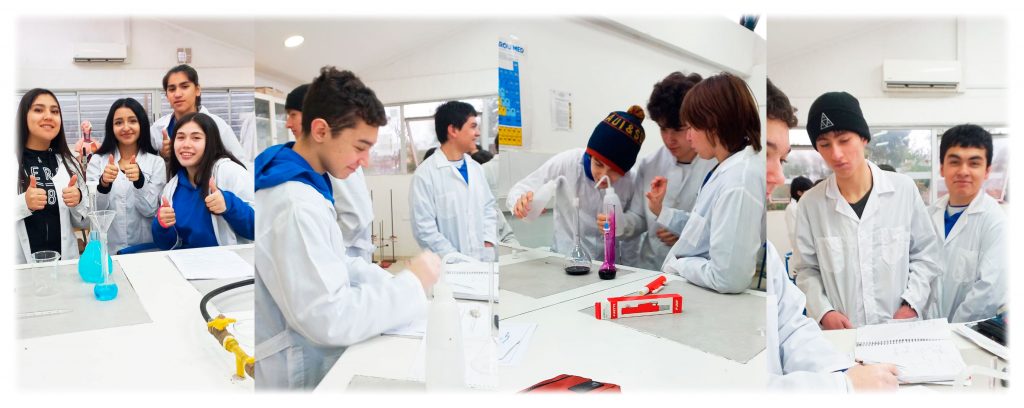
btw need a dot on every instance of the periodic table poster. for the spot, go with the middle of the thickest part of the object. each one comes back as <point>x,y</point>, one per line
<point>510,117</point>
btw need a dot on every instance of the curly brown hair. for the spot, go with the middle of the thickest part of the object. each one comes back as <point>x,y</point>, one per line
<point>340,98</point>
<point>667,97</point>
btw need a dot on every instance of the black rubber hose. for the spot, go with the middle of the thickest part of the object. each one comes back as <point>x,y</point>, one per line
<point>214,293</point>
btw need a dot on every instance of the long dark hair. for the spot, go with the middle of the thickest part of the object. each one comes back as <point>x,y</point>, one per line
<point>192,76</point>
<point>213,151</point>
<point>110,140</point>
<point>58,145</point>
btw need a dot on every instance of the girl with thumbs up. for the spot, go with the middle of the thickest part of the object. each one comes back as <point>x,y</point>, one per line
<point>208,199</point>
<point>128,175</point>
<point>51,203</point>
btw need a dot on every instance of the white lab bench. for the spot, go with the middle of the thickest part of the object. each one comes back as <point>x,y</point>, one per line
<point>845,341</point>
<point>172,352</point>
<point>568,341</point>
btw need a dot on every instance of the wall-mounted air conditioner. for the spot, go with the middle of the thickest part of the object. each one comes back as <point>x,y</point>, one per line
<point>921,76</point>
<point>101,52</point>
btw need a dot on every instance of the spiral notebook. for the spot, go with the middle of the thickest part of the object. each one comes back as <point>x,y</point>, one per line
<point>469,280</point>
<point>922,350</point>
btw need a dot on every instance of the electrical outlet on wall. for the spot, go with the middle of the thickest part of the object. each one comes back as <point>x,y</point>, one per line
<point>184,55</point>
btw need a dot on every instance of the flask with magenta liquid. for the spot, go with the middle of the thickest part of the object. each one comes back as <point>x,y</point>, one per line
<point>608,270</point>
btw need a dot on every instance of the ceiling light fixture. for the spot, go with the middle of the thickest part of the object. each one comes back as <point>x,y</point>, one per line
<point>294,41</point>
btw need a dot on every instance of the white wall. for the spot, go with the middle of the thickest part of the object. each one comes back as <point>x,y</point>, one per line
<point>380,188</point>
<point>268,80</point>
<point>854,65</point>
<point>604,70</point>
<point>45,48</point>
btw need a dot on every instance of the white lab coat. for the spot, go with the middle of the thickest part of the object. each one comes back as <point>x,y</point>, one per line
<point>229,177</point>
<point>570,164</point>
<point>865,267</point>
<point>505,233</point>
<point>354,214</point>
<point>70,218</point>
<point>973,286</point>
<point>799,357</point>
<point>718,246</point>
<point>684,181</point>
<point>313,300</point>
<point>791,210</point>
<point>227,136</point>
<point>449,215</point>
<point>134,208</point>
<point>247,136</point>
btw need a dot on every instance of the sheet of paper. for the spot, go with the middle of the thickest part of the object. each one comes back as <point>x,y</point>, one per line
<point>922,350</point>
<point>415,328</point>
<point>915,389</point>
<point>210,263</point>
<point>513,342</point>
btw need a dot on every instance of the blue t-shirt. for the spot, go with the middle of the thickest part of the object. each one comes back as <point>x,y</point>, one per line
<point>463,170</point>
<point>952,215</point>
<point>193,224</point>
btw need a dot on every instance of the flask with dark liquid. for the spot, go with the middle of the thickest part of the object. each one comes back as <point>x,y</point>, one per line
<point>578,262</point>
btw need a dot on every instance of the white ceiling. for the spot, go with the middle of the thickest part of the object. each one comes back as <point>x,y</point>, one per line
<point>791,37</point>
<point>237,32</point>
<point>357,45</point>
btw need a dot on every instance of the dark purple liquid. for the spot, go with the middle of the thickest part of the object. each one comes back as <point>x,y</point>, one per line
<point>606,273</point>
<point>577,270</point>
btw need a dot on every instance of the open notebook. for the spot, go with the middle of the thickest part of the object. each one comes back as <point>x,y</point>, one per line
<point>922,350</point>
<point>469,280</point>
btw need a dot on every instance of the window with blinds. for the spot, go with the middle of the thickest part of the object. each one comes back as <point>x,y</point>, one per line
<point>228,104</point>
<point>77,106</point>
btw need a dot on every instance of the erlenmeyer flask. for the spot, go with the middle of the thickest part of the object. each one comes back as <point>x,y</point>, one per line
<point>578,262</point>
<point>105,289</point>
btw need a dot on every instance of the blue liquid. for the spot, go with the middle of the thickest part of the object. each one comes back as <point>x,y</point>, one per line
<point>89,265</point>
<point>105,292</point>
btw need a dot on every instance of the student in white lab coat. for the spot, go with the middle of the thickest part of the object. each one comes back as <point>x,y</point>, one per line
<point>797,188</point>
<point>128,174</point>
<point>450,202</point>
<point>611,151</point>
<point>312,299</point>
<point>181,87</point>
<point>799,357</point>
<point>669,178</point>
<point>50,202</point>
<point>866,251</point>
<point>351,196</point>
<point>505,233</point>
<point>718,246</point>
<point>208,200</point>
<point>973,285</point>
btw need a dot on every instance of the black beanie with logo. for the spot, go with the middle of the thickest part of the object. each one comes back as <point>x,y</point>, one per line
<point>616,140</point>
<point>835,111</point>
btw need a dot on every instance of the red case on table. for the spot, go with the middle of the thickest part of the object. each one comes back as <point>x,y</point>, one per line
<point>572,383</point>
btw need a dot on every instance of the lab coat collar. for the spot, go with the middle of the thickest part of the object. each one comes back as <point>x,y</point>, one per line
<point>938,210</point>
<point>736,159</point>
<point>880,184</point>
<point>441,161</point>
